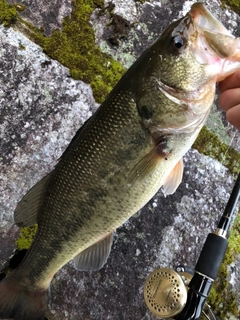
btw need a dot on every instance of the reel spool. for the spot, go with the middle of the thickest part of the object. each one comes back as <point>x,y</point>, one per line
<point>165,292</point>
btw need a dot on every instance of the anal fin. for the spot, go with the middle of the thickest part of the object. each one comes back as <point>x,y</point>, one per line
<point>25,214</point>
<point>94,257</point>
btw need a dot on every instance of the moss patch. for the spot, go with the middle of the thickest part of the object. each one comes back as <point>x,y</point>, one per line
<point>8,13</point>
<point>141,1</point>
<point>26,237</point>
<point>209,144</point>
<point>75,48</point>
<point>221,298</point>
<point>233,4</point>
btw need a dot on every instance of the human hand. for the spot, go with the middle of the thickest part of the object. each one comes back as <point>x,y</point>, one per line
<point>229,99</point>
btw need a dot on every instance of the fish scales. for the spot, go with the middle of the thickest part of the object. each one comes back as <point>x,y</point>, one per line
<point>94,166</point>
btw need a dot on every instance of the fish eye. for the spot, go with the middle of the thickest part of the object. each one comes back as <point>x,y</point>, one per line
<point>178,42</point>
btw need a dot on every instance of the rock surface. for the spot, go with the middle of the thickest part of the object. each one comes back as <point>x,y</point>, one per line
<point>41,109</point>
<point>47,15</point>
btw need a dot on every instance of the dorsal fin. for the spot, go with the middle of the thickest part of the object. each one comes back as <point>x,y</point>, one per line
<point>26,211</point>
<point>94,257</point>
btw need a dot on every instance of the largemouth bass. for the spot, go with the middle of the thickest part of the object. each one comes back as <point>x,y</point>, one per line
<point>120,157</point>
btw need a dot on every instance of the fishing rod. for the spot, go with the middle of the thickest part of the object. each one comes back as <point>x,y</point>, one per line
<point>181,294</point>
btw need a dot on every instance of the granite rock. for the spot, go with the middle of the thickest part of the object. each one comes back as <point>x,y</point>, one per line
<point>45,15</point>
<point>41,107</point>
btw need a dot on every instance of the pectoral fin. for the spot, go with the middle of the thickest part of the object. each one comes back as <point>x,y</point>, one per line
<point>149,162</point>
<point>174,179</point>
<point>94,257</point>
<point>26,211</point>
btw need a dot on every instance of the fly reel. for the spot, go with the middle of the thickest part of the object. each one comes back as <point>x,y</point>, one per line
<point>165,292</point>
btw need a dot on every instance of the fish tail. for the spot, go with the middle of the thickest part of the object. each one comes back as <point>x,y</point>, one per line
<point>19,302</point>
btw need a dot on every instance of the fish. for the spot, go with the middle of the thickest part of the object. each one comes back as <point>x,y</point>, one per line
<point>131,147</point>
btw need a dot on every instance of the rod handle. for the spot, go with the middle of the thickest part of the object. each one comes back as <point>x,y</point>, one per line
<point>211,255</point>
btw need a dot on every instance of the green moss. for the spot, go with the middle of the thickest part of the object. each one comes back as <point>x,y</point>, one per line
<point>22,47</point>
<point>141,1</point>
<point>221,298</point>
<point>26,237</point>
<point>234,239</point>
<point>233,4</point>
<point>75,48</point>
<point>209,144</point>
<point>8,13</point>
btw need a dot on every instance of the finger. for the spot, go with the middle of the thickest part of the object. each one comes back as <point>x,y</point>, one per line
<point>229,98</point>
<point>233,116</point>
<point>230,82</point>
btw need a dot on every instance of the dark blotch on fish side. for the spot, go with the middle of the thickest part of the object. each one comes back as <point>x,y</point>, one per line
<point>145,112</point>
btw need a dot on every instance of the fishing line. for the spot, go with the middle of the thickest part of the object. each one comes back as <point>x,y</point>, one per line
<point>229,146</point>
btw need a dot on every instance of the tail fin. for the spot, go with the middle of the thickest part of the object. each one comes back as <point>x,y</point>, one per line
<point>19,302</point>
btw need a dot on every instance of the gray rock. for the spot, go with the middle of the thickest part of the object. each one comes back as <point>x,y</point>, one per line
<point>7,242</point>
<point>47,15</point>
<point>41,109</point>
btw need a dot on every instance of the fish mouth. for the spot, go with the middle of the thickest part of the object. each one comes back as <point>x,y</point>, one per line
<point>204,19</point>
<point>216,36</point>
